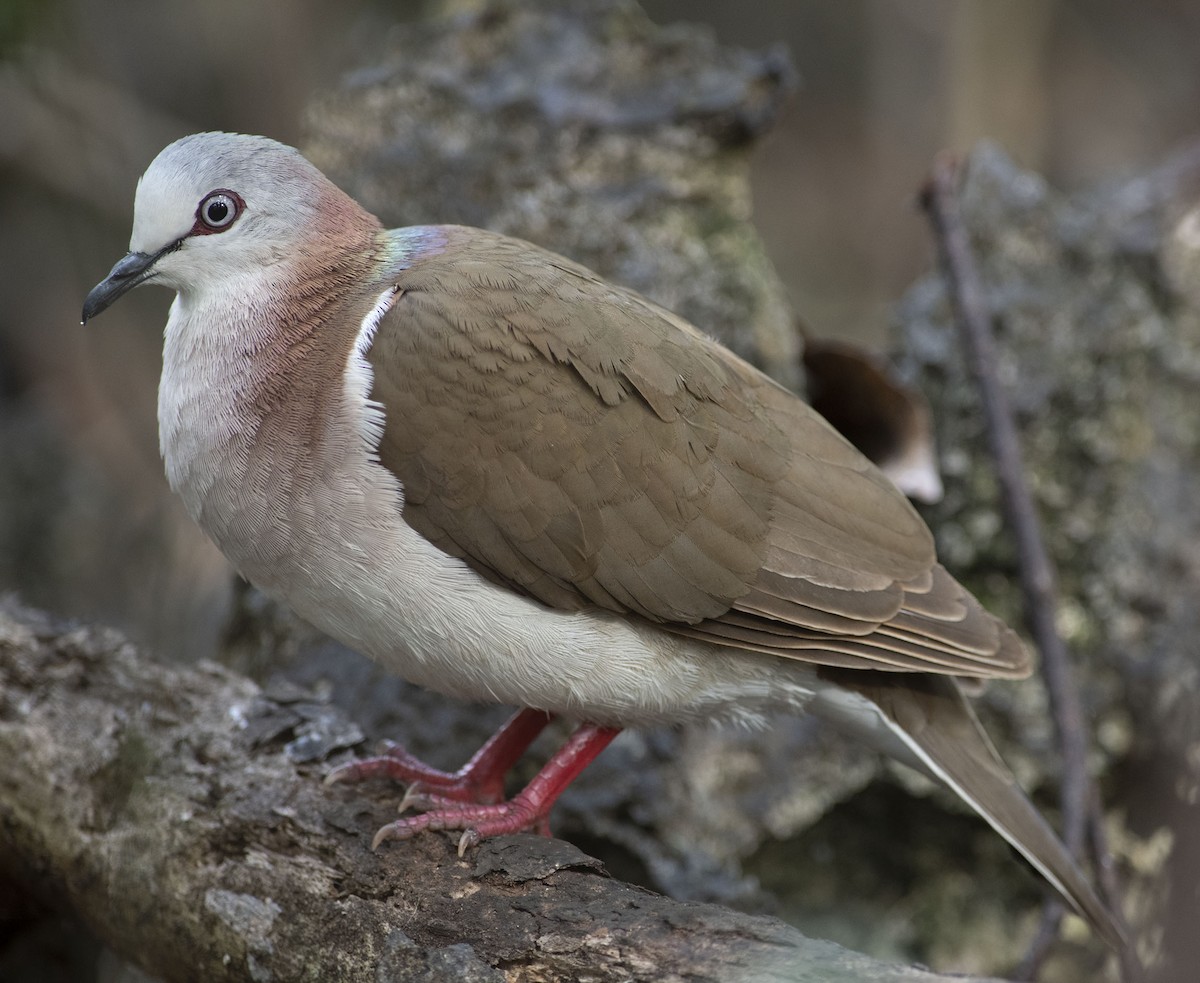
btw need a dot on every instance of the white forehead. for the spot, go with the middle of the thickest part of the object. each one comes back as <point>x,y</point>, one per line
<point>270,177</point>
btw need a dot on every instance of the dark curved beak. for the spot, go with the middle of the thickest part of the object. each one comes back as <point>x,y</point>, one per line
<point>133,269</point>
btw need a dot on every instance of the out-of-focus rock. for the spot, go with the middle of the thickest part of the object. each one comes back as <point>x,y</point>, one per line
<point>587,129</point>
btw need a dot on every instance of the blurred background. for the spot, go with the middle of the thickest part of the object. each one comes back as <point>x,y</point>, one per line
<point>1084,91</point>
<point>1087,92</point>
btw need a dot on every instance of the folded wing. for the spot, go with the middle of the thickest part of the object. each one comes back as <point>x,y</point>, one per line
<point>580,445</point>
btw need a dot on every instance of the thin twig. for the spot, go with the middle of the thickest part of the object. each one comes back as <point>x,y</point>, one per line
<point>1110,888</point>
<point>1043,941</point>
<point>940,201</point>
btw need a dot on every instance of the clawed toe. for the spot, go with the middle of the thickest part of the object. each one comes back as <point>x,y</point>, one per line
<point>470,799</point>
<point>478,822</point>
<point>420,797</point>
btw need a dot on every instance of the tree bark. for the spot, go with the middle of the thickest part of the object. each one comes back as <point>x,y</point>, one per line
<point>177,813</point>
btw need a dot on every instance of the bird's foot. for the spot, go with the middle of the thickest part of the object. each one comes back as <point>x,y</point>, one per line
<point>477,821</point>
<point>528,809</point>
<point>480,780</point>
<point>396,763</point>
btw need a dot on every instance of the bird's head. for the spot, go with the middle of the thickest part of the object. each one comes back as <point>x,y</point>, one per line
<point>212,206</point>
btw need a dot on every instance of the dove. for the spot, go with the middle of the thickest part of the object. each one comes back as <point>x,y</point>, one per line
<point>509,480</point>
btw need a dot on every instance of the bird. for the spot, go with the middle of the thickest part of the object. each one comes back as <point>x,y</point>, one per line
<point>506,479</point>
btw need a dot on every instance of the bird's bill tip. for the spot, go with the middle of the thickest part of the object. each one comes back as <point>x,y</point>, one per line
<point>131,269</point>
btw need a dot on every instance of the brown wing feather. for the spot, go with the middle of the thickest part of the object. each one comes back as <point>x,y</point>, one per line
<point>574,442</point>
<point>940,728</point>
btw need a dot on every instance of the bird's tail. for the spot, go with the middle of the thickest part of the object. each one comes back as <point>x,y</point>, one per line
<point>927,722</point>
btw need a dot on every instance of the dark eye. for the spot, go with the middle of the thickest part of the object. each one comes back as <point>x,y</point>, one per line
<point>218,210</point>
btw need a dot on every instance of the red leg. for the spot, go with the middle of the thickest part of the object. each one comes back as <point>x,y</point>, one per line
<point>528,809</point>
<point>480,780</point>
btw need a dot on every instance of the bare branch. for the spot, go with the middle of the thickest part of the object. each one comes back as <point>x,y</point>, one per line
<point>1038,582</point>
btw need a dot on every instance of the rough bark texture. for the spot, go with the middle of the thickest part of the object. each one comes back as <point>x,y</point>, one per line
<point>179,814</point>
